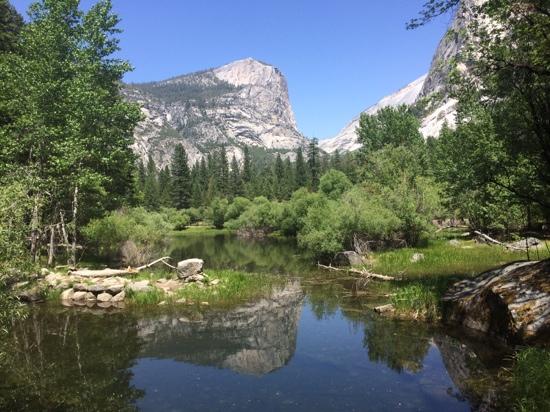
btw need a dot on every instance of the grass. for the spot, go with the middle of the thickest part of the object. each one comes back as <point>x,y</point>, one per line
<point>443,259</point>
<point>417,294</point>
<point>233,288</point>
<point>201,230</point>
<point>530,380</point>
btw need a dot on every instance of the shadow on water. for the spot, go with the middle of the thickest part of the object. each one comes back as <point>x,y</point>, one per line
<point>307,347</point>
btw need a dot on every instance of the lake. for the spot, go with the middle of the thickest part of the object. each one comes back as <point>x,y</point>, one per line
<point>312,345</point>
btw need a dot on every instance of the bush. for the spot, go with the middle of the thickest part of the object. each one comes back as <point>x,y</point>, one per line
<point>334,184</point>
<point>178,219</point>
<point>133,236</point>
<point>237,208</point>
<point>262,216</point>
<point>218,208</point>
<point>295,210</point>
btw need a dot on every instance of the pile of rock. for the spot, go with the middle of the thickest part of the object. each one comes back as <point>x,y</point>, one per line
<point>103,292</point>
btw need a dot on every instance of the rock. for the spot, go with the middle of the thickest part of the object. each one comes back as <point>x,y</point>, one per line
<point>182,300</point>
<point>214,282</point>
<point>90,297</point>
<point>79,296</point>
<point>195,278</point>
<point>384,308</point>
<point>348,258</point>
<point>119,297</point>
<point>417,257</point>
<point>104,305</point>
<point>511,302</point>
<point>35,294</point>
<point>190,267</point>
<point>104,297</point>
<point>163,303</point>
<point>44,272</point>
<point>141,286</point>
<point>454,242</point>
<point>115,289</point>
<point>529,242</point>
<point>205,303</point>
<point>67,294</point>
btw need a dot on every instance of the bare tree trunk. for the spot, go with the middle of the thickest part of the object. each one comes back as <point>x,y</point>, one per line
<point>75,227</point>
<point>35,232</point>
<point>51,249</point>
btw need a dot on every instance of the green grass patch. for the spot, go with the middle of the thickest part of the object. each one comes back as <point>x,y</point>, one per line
<point>232,288</point>
<point>201,230</point>
<point>441,258</point>
<point>417,301</point>
<point>530,386</point>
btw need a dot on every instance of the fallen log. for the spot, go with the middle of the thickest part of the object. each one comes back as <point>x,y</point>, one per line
<point>496,242</point>
<point>108,272</point>
<point>364,273</point>
<point>384,308</point>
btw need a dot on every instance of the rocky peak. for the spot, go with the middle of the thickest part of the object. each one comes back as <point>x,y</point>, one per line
<point>245,102</point>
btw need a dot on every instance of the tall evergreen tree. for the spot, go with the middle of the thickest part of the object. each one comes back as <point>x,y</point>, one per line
<point>181,179</point>
<point>279,177</point>
<point>301,171</point>
<point>151,188</point>
<point>223,172</point>
<point>235,180</point>
<point>165,188</point>
<point>247,165</point>
<point>313,165</point>
<point>11,24</point>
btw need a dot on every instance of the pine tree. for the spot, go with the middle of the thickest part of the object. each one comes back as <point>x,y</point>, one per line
<point>235,180</point>
<point>301,171</point>
<point>247,166</point>
<point>336,161</point>
<point>223,172</point>
<point>151,187</point>
<point>313,164</point>
<point>279,178</point>
<point>11,23</point>
<point>181,179</point>
<point>165,188</point>
<point>289,179</point>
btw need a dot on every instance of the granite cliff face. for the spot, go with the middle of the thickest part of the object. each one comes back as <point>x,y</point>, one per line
<point>242,103</point>
<point>431,89</point>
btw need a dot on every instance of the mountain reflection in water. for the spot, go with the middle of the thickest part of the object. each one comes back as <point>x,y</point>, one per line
<point>278,353</point>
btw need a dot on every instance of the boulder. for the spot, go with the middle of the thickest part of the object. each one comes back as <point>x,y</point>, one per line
<point>90,297</point>
<point>79,295</point>
<point>348,258</point>
<point>140,286</point>
<point>115,289</point>
<point>119,297</point>
<point>417,257</point>
<point>195,278</point>
<point>529,242</point>
<point>190,267</point>
<point>104,297</point>
<point>67,294</point>
<point>34,294</point>
<point>511,302</point>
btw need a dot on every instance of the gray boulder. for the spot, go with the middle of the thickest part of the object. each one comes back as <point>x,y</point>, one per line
<point>511,302</point>
<point>190,267</point>
<point>525,243</point>
<point>349,258</point>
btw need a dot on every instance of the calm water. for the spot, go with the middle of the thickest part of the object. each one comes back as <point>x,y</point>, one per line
<point>308,347</point>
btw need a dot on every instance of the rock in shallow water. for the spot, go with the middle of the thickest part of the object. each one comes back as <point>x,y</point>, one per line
<point>348,258</point>
<point>511,302</point>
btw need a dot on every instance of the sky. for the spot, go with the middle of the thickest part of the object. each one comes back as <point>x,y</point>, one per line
<point>339,57</point>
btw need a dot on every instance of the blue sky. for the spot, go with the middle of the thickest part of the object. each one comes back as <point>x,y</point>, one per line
<point>338,56</point>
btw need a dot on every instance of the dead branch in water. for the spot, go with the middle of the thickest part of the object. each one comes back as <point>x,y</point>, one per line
<point>107,273</point>
<point>364,273</point>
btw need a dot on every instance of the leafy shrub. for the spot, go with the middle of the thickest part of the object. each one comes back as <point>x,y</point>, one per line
<point>179,219</point>
<point>295,210</point>
<point>262,216</point>
<point>237,208</point>
<point>218,208</point>
<point>334,184</point>
<point>146,230</point>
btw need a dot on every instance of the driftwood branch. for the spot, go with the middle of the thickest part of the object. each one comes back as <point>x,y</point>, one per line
<point>364,273</point>
<point>496,242</point>
<point>107,273</point>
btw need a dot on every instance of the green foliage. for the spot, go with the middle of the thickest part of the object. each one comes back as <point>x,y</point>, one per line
<point>181,179</point>
<point>334,183</point>
<point>295,211</point>
<point>218,209</point>
<point>262,215</point>
<point>136,229</point>
<point>237,208</point>
<point>11,24</point>
<point>417,301</point>
<point>313,164</point>
<point>530,386</point>
<point>390,126</point>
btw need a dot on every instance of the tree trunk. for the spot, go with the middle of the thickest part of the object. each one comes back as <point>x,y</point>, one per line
<point>75,226</point>
<point>51,250</point>
<point>35,232</point>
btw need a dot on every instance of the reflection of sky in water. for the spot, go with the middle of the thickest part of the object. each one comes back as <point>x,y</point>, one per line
<point>330,370</point>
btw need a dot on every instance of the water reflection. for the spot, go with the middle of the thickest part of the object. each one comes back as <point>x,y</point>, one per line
<point>227,251</point>
<point>256,338</point>
<point>285,352</point>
